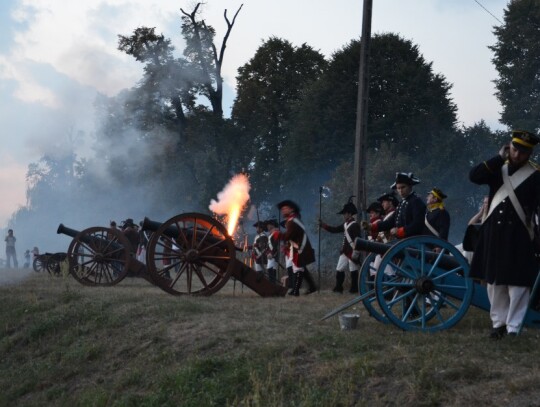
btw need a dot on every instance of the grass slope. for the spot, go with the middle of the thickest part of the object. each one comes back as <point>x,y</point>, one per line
<point>63,344</point>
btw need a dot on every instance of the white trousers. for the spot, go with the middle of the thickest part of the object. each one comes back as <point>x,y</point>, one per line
<point>272,264</point>
<point>345,263</point>
<point>508,305</point>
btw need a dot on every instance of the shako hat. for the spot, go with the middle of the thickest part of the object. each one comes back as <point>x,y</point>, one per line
<point>405,178</point>
<point>375,207</point>
<point>287,202</point>
<point>349,207</point>
<point>437,193</point>
<point>524,140</point>
<point>389,196</point>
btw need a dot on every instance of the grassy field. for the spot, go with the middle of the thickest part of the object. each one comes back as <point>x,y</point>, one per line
<point>63,344</point>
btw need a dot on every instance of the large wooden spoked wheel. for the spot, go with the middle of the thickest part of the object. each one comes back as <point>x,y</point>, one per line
<point>99,256</point>
<point>367,284</point>
<point>430,291</point>
<point>54,263</point>
<point>39,263</point>
<point>190,254</point>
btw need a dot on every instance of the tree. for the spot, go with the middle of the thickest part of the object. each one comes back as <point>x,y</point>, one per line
<point>517,59</point>
<point>201,52</point>
<point>268,86</point>
<point>409,106</point>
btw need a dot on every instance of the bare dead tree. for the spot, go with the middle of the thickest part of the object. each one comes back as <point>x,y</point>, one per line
<point>212,80</point>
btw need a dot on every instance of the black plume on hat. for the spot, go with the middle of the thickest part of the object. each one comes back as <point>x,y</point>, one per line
<point>349,207</point>
<point>405,178</point>
<point>389,196</point>
<point>287,202</point>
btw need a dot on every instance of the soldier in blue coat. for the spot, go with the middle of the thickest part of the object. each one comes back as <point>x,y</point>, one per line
<point>437,220</point>
<point>505,253</point>
<point>408,219</point>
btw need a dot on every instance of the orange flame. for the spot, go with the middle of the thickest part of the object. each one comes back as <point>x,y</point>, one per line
<point>232,200</point>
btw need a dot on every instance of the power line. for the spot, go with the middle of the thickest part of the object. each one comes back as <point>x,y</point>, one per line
<point>489,12</point>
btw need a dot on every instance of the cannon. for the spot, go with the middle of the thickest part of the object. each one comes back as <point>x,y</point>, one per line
<point>50,262</point>
<point>189,254</point>
<point>418,288</point>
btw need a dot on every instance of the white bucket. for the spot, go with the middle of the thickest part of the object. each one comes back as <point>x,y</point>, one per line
<point>348,321</point>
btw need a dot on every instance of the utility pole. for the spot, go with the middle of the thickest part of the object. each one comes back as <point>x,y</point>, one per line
<point>362,111</point>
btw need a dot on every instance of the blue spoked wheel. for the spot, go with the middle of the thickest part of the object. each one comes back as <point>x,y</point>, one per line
<point>425,290</point>
<point>367,283</point>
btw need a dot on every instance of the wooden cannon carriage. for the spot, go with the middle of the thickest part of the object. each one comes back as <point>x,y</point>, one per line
<point>189,254</point>
<point>418,288</point>
<point>49,262</point>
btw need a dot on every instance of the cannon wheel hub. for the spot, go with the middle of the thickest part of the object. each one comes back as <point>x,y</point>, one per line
<point>424,285</point>
<point>192,255</point>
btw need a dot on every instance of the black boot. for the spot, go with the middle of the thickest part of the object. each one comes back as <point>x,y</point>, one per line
<point>311,282</point>
<point>272,275</point>
<point>340,278</point>
<point>299,277</point>
<point>291,275</point>
<point>354,282</point>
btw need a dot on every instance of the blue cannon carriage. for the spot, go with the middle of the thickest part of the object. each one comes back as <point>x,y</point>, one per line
<point>422,283</point>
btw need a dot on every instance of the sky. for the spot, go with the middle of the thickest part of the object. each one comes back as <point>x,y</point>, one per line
<point>57,55</point>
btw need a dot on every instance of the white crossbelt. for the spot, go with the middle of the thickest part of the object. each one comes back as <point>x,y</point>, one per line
<point>431,228</point>
<point>507,190</point>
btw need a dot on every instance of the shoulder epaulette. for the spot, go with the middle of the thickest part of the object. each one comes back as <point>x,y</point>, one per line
<point>535,165</point>
<point>487,166</point>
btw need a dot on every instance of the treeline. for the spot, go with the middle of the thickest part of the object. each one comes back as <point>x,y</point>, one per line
<point>164,146</point>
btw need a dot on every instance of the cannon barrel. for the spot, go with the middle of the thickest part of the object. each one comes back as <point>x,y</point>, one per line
<point>173,232</point>
<point>64,230</point>
<point>86,239</point>
<point>152,226</point>
<point>446,261</point>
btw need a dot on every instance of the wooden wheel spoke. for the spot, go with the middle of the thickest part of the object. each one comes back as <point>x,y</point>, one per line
<point>219,242</point>
<point>201,276</point>
<point>194,234</point>
<point>178,274</point>
<point>182,235</point>
<point>205,236</point>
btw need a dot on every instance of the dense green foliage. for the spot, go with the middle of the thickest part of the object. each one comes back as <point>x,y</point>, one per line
<point>268,87</point>
<point>517,59</point>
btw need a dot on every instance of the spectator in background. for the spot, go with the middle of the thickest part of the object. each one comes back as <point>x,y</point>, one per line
<point>10,249</point>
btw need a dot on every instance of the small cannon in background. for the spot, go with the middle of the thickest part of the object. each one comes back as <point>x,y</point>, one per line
<point>189,254</point>
<point>50,262</point>
<point>419,289</point>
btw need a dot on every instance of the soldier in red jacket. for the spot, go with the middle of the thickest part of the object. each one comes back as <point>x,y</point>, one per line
<point>350,230</point>
<point>298,248</point>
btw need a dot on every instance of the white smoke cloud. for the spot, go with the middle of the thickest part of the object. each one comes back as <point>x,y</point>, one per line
<point>235,194</point>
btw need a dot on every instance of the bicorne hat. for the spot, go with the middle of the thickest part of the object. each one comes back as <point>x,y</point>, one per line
<point>389,196</point>
<point>259,224</point>
<point>405,178</point>
<point>524,140</point>
<point>349,207</point>
<point>287,202</point>
<point>437,193</point>
<point>272,222</point>
<point>375,207</point>
<point>129,222</point>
